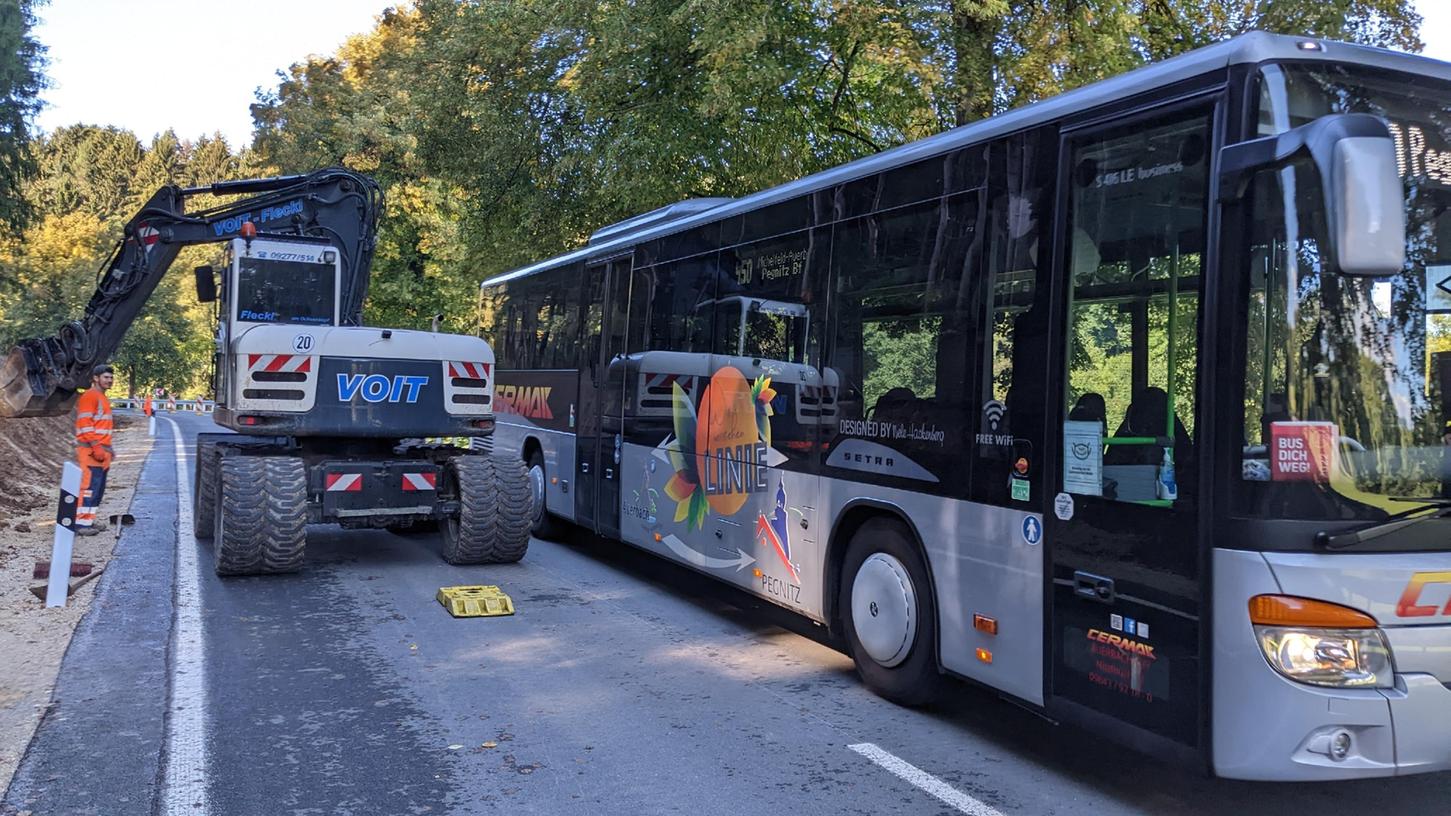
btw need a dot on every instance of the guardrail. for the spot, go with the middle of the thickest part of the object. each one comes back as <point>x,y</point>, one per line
<point>167,406</point>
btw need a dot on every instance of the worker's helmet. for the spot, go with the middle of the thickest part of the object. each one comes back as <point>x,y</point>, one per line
<point>103,368</point>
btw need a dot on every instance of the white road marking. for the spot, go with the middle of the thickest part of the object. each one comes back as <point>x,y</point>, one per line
<point>184,785</point>
<point>926,781</point>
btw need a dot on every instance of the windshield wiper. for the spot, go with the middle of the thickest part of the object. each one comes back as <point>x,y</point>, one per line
<point>1441,506</point>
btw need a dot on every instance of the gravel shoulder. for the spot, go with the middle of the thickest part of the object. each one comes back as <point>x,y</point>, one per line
<point>33,639</point>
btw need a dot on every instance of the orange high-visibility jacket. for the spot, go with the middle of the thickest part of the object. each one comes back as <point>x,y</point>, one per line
<point>93,419</point>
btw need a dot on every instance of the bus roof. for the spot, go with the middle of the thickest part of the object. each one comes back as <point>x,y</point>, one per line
<point>1251,48</point>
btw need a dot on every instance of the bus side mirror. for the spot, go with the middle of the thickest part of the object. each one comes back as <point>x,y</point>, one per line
<point>206,284</point>
<point>1355,158</point>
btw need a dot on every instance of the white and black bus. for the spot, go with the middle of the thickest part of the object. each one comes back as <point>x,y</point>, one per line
<point>1131,404</point>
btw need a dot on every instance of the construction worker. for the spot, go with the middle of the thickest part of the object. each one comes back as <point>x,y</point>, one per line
<point>93,448</point>
<point>146,407</point>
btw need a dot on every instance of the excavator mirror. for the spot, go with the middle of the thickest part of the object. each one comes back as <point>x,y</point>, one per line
<point>206,284</point>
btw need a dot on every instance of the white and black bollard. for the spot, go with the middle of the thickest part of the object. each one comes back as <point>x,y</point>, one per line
<point>151,426</point>
<point>65,535</point>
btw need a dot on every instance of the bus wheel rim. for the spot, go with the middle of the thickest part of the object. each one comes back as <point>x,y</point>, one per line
<point>884,609</point>
<point>536,490</point>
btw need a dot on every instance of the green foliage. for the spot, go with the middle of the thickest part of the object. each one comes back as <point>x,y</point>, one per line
<point>511,129</point>
<point>89,169</point>
<point>504,131</point>
<point>21,61</point>
<point>47,274</point>
<point>900,354</point>
<point>90,182</point>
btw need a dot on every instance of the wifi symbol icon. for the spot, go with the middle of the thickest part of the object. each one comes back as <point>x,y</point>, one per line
<point>993,412</point>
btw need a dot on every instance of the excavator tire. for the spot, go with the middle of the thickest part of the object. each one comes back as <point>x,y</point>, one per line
<point>204,494</point>
<point>495,510</point>
<point>262,515</point>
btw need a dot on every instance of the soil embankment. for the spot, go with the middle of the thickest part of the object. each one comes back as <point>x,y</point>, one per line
<point>33,639</point>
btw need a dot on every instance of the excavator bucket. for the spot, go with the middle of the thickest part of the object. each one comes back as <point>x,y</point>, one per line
<point>26,384</point>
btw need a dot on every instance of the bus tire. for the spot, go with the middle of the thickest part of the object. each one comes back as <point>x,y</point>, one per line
<point>204,491</point>
<point>888,615</point>
<point>261,518</point>
<point>492,524</point>
<point>545,525</point>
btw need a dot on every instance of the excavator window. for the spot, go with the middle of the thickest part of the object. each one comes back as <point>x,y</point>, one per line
<point>270,291</point>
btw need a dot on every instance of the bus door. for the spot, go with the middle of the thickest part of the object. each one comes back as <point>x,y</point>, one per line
<point>1121,520</point>
<point>599,438</point>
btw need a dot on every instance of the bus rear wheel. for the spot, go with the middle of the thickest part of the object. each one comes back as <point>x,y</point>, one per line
<point>888,614</point>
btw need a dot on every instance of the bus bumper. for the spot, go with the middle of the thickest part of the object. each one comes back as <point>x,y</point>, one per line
<point>1266,727</point>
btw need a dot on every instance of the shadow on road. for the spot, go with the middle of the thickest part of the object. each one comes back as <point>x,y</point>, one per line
<point>1140,783</point>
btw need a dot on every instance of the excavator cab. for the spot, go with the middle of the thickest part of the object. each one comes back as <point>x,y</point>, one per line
<point>292,281</point>
<point>275,281</point>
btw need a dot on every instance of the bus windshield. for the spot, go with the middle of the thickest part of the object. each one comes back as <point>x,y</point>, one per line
<point>1347,407</point>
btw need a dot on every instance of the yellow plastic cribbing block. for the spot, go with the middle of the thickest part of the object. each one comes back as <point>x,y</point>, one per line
<point>475,601</point>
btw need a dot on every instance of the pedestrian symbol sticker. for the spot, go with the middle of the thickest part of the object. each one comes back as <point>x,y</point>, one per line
<point>1032,530</point>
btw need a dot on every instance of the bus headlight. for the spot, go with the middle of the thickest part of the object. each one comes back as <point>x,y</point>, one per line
<point>1343,658</point>
<point>1321,643</point>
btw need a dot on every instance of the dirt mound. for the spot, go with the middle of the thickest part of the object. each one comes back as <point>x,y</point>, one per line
<point>31,453</point>
<point>33,638</point>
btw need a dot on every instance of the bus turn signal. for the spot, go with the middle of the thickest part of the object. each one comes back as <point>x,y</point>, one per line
<point>1287,610</point>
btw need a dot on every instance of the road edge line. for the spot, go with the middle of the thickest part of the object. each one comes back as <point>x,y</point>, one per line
<point>184,780</point>
<point>924,781</point>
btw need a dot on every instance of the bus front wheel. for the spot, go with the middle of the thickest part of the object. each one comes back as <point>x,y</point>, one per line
<point>545,525</point>
<point>888,614</point>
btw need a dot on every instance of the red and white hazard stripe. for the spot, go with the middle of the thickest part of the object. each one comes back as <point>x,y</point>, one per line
<point>147,235</point>
<point>414,482</point>
<point>473,371</point>
<point>344,482</point>
<point>279,362</point>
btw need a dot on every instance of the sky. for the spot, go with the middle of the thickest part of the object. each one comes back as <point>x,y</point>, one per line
<point>195,65</point>
<point>191,65</point>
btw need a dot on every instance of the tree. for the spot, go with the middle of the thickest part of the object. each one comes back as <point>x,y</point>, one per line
<point>999,56</point>
<point>508,130</point>
<point>21,61</point>
<point>89,168</point>
<point>90,181</point>
<point>49,273</point>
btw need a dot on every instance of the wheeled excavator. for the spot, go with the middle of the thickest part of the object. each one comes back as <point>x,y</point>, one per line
<point>332,421</point>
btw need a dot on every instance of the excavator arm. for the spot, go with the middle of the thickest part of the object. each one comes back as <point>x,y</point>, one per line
<point>42,376</point>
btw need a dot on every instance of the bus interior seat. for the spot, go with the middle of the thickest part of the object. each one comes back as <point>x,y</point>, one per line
<point>894,404</point>
<point>1089,407</point>
<point>1145,417</point>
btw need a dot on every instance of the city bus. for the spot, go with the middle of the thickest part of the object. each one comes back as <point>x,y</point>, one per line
<point>1130,405</point>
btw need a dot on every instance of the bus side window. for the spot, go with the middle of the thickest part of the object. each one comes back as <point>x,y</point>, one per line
<point>1007,448</point>
<point>765,321</point>
<point>901,347</point>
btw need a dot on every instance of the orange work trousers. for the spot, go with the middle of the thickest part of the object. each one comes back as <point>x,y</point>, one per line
<point>93,485</point>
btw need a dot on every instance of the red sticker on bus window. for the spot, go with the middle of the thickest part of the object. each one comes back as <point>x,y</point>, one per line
<point>1302,451</point>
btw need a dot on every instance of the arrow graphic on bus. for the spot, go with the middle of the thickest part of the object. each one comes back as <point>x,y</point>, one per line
<point>702,560</point>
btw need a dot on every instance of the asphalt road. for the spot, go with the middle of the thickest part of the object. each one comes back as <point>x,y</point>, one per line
<point>623,684</point>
